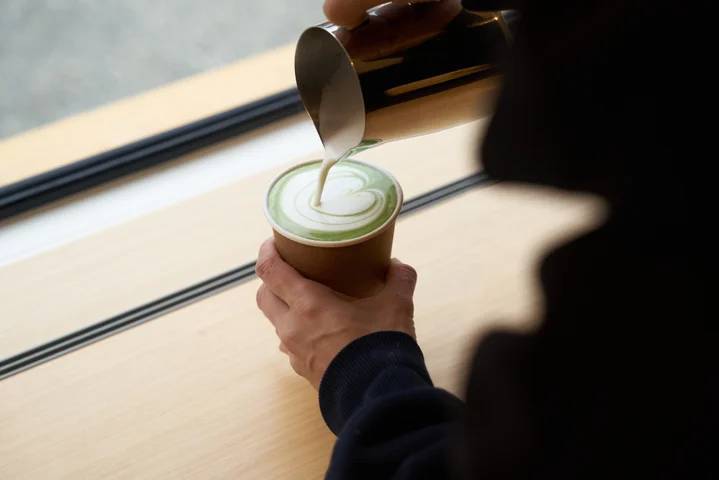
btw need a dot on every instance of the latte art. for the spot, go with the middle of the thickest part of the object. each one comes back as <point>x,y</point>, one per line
<point>347,202</point>
<point>357,198</point>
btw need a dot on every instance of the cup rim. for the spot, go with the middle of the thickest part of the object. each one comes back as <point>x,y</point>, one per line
<point>333,243</point>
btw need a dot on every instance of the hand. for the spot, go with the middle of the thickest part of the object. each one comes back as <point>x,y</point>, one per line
<point>350,13</point>
<point>314,322</point>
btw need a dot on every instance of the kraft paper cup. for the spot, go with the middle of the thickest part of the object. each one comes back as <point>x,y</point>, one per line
<point>355,267</point>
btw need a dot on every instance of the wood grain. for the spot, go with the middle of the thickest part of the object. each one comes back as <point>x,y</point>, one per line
<point>133,263</point>
<point>130,119</point>
<point>203,392</point>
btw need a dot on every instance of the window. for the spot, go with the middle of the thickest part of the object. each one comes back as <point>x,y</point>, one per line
<point>118,64</point>
<point>63,57</point>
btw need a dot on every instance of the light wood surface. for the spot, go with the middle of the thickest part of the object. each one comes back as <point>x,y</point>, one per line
<point>136,262</point>
<point>79,136</point>
<point>203,392</point>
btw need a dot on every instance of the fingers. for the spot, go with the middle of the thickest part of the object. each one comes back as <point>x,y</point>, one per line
<point>270,304</point>
<point>282,280</point>
<point>401,279</point>
<point>349,13</point>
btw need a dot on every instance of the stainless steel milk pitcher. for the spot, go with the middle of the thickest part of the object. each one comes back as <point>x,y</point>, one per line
<point>407,70</point>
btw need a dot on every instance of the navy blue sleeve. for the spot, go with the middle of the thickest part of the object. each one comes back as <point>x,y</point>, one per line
<point>390,421</point>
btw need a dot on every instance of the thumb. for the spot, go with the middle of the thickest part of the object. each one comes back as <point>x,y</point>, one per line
<point>401,279</point>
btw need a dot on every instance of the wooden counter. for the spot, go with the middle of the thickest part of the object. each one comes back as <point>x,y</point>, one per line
<point>203,392</point>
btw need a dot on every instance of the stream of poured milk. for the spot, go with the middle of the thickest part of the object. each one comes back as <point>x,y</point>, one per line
<point>338,131</point>
<point>327,164</point>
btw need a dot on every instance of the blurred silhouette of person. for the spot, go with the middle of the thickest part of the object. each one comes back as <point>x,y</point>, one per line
<point>620,378</point>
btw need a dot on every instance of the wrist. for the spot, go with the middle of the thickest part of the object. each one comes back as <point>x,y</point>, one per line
<point>366,368</point>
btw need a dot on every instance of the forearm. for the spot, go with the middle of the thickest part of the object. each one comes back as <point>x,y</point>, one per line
<point>390,420</point>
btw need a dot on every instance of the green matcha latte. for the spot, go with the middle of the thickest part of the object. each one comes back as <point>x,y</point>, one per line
<point>358,199</point>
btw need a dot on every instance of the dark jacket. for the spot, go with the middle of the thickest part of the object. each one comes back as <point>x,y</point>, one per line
<point>620,379</point>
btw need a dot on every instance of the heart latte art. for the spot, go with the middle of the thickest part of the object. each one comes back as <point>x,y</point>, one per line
<point>357,199</point>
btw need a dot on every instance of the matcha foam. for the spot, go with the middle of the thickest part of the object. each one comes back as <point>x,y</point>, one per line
<point>357,199</point>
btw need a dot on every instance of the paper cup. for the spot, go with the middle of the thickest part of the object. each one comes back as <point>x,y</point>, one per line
<point>355,267</point>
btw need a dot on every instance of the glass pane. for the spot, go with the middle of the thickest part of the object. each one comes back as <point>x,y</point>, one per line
<point>61,57</point>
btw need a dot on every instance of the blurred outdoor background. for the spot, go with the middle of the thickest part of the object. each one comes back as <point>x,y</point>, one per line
<point>61,57</point>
